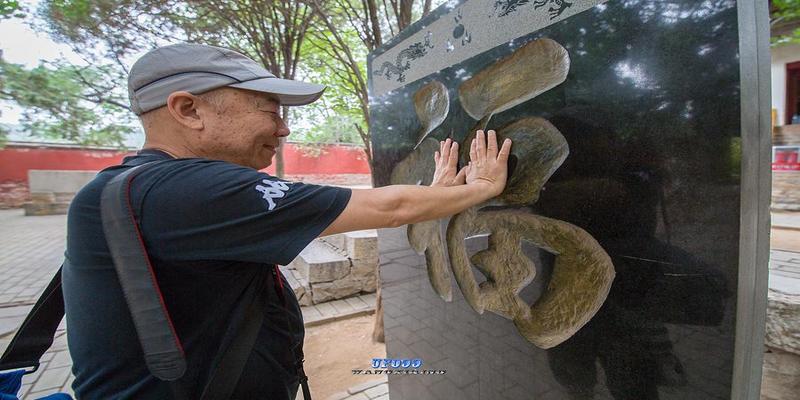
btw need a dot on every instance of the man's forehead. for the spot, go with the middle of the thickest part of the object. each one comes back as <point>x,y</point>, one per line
<point>266,98</point>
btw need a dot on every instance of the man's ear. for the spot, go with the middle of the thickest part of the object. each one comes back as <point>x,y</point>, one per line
<point>183,107</point>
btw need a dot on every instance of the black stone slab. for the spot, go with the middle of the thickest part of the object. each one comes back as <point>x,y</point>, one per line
<point>650,110</point>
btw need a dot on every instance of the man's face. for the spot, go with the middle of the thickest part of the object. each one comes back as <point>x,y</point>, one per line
<point>243,127</point>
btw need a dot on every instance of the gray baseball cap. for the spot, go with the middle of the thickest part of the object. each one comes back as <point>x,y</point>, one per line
<point>198,68</point>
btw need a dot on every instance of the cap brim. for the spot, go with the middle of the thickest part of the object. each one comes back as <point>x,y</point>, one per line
<point>290,93</point>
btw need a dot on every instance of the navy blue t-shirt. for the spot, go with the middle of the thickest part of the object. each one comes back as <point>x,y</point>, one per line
<point>213,230</point>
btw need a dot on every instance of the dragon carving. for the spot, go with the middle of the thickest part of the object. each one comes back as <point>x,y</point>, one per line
<point>506,7</point>
<point>403,61</point>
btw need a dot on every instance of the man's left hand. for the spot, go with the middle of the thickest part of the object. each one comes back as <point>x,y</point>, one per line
<point>446,159</point>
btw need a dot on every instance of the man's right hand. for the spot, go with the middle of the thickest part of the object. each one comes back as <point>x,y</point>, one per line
<point>487,165</point>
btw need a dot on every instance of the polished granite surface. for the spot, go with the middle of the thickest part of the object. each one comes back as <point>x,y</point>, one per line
<point>647,104</point>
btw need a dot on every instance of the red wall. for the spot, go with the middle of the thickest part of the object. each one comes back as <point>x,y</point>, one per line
<point>332,160</point>
<point>16,160</point>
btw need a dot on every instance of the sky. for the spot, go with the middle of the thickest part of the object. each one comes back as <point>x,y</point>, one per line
<point>21,45</point>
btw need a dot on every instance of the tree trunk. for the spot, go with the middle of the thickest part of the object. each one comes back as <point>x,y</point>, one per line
<point>279,160</point>
<point>377,330</point>
<point>279,167</point>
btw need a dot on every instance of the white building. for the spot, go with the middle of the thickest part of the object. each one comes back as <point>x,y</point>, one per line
<point>785,82</point>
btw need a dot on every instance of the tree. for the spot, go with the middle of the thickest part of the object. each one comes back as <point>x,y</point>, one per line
<point>342,25</point>
<point>8,9</point>
<point>11,9</point>
<point>784,21</point>
<point>274,32</point>
<point>347,30</point>
<point>337,116</point>
<point>270,31</point>
<point>59,103</point>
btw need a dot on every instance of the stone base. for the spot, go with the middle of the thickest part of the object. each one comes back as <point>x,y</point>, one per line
<point>13,194</point>
<point>781,376</point>
<point>34,209</point>
<point>339,289</point>
<point>786,190</point>
<point>335,267</point>
<point>48,203</point>
<point>786,135</point>
<point>781,371</point>
<point>783,322</point>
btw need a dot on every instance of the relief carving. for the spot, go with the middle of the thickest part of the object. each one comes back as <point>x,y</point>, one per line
<point>431,103</point>
<point>582,273</point>
<point>581,279</point>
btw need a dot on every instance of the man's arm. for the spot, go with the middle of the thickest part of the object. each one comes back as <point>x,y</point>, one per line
<point>397,205</point>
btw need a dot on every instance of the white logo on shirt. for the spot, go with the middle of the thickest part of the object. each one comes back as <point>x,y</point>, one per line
<point>273,190</point>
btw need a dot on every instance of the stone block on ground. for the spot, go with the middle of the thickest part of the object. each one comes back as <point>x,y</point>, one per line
<point>362,244</point>
<point>786,190</point>
<point>57,181</point>
<point>337,241</point>
<point>339,289</point>
<point>318,263</point>
<point>52,191</point>
<point>783,322</point>
<point>299,286</point>
<point>364,267</point>
<point>43,198</point>
<point>305,300</point>
<point>369,284</point>
<point>64,197</point>
<point>365,270</point>
<point>780,376</point>
<point>35,209</point>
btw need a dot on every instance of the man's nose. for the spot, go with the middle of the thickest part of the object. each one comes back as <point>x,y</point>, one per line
<point>283,130</point>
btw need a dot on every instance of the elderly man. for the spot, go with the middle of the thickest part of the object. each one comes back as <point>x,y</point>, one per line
<point>215,227</point>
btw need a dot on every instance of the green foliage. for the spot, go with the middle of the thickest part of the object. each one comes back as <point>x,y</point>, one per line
<point>785,13</point>
<point>106,29</point>
<point>335,128</point>
<point>11,9</point>
<point>335,116</point>
<point>3,135</point>
<point>59,105</point>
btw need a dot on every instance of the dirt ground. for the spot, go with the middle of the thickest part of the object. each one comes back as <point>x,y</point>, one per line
<point>785,239</point>
<point>334,349</point>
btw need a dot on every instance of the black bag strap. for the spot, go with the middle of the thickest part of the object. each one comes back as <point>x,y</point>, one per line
<point>36,334</point>
<point>162,348</point>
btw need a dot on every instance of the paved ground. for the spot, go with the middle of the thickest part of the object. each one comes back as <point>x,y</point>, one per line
<point>374,390</point>
<point>31,249</point>
<point>784,271</point>
<point>784,265</point>
<point>786,220</point>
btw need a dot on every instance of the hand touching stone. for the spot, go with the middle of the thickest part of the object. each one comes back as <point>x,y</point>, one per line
<point>446,159</point>
<point>488,165</point>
